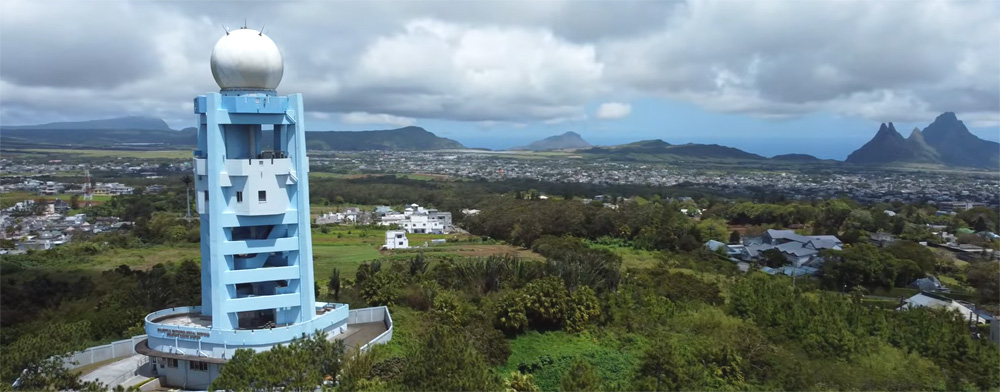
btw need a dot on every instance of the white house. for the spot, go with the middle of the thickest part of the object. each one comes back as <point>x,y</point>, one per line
<point>330,218</point>
<point>416,219</point>
<point>396,239</point>
<point>925,299</point>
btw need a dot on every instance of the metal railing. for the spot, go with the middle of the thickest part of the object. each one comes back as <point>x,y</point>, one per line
<point>139,363</point>
<point>113,350</point>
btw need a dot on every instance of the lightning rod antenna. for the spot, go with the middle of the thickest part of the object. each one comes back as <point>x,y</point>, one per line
<point>261,31</point>
<point>226,29</point>
<point>244,23</point>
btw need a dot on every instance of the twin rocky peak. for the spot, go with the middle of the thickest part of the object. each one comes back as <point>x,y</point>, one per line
<point>945,141</point>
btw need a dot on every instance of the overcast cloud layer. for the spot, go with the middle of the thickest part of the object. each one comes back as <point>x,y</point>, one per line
<point>515,62</point>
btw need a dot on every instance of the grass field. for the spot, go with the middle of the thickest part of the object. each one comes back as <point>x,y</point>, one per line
<point>637,258</point>
<point>346,247</point>
<point>548,355</point>
<point>144,258</point>
<point>347,258</point>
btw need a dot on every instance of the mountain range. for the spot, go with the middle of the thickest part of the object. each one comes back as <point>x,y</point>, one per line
<point>645,149</point>
<point>945,141</point>
<point>403,139</point>
<point>144,132</point>
<point>565,141</point>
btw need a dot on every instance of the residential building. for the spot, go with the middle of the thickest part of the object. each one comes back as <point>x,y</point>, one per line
<point>881,240</point>
<point>396,239</point>
<point>330,218</point>
<point>930,300</point>
<point>417,220</point>
<point>112,189</point>
<point>929,284</point>
<point>800,250</point>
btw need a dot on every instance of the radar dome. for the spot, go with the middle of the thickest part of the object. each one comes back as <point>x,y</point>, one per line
<point>246,59</point>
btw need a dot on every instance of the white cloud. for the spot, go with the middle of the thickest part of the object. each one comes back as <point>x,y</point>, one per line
<point>514,62</point>
<point>613,110</point>
<point>435,69</point>
<point>376,118</point>
<point>787,58</point>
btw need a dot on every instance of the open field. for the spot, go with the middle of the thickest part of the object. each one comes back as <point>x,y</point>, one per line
<point>412,176</point>
<point>346,247</point>
<point>637,258</point>
<point>144,258</point>
<point>347,258</point>
<point>157,154</point>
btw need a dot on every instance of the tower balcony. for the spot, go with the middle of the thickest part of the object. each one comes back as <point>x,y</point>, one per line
<point>269,166</point>
<point>276,163</point>
<point>250,187</point>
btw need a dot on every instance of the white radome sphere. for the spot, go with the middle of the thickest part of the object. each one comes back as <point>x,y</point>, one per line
<point>245,59</point>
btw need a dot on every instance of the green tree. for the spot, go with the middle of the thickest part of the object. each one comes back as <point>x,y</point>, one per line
<point>357,374</point>
<point>418,265</point>
<point>581,377</point>
<point>491,343</point>
<point>334,284</point>
<point>712,229</point>
<point>449,307</point>
<point>187,180</point>
<point>773,258</point>
<point>663,367</point>
<point>583,308</point>
<point>382,288</point>
<point>299,365</point>
<point>444,361</point>
<point>520,382</point>
<point>510,314</point>
<point>860,265</point>
<point>734,237</point>
<point>909,250</point>
<point>547,302</point>
<point>983,275</point>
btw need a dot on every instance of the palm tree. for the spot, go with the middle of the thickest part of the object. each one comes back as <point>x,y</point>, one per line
<point>187,180</point>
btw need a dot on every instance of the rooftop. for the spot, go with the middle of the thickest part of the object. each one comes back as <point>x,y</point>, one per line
<point>194,320</point>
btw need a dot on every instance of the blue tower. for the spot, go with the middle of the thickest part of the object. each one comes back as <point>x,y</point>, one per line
<point>253,199</point>
<point>251,177</point>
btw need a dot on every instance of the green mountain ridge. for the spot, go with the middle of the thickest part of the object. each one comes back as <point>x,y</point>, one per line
<point>118,123</point>
<point>128,133</point>
<point>565,141</point>
<point>403,139</point>
<point>660,149</point>
<point>795,158</point>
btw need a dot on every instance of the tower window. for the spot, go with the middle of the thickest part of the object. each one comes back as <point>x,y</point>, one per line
<point>239,197</point>
<point>206,195</point>
<point>262,196</point>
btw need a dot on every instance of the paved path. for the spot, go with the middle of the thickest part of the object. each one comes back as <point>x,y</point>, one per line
<point>112,371</point>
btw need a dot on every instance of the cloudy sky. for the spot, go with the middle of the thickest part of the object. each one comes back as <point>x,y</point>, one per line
<point>770,77</point>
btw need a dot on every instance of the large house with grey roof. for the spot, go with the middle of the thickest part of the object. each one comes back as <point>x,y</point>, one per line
<point>800,250</point>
